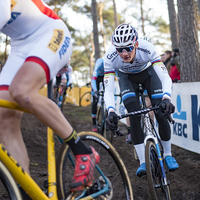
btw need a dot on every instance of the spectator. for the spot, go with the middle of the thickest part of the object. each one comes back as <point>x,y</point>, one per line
<point>162,57</point>
<point>175,66</point>
<point>167,60</point>
<point>176,58</point>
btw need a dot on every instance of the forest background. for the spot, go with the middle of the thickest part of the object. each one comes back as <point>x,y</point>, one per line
<point>169,23</point>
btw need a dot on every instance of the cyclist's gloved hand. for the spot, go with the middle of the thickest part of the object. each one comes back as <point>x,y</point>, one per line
<point>112,121</point>
<point>96,94</point>
<point>167,107</point>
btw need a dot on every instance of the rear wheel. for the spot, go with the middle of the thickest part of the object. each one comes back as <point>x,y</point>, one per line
<point>8,186</point>
<point>111,177</point>
<point>158,186</point>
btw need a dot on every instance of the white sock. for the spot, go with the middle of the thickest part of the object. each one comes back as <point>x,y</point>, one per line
<point>140,152</point>
<point>166,148</point>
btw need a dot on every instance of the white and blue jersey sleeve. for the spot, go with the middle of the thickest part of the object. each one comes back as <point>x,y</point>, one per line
<point>98,71</point>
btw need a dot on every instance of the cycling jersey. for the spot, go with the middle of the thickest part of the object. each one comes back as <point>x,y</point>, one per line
<point>146,55</point>
<point>98,71</point>
<point>21,18</point>
<point>37,35</point>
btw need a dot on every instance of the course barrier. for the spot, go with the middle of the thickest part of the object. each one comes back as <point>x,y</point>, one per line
<point>73,96</point>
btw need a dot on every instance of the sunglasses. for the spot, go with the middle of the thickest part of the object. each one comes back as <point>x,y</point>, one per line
<point>127,49</point>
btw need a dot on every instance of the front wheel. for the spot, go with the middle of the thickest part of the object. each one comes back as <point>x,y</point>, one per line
<point>156,177</point>
<point>8,186</point>
<point>111,177</point>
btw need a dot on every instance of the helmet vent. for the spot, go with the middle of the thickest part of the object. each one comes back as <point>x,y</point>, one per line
<point>124,35</point>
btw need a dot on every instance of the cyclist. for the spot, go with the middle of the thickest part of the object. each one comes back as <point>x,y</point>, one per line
<point>68,73</point>
<point>148,102</point>
<point>63,77</point>
<point>138,62</point>
<point>41,44</point>
<point>97,78</point>
<point>60,78</point>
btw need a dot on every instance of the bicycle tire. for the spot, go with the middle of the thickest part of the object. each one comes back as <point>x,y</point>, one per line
<point>86,97</point>
<point>8,186</point>
<point>108,134</point>
<point>111,165</point>
<point>157,188</point>
<point>99,121</point>
<point>101,125</point>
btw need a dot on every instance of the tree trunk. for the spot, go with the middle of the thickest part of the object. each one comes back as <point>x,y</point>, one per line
<point>101,25</point>
<point>115,14</point>
<point>198,1</point>
<point>91,55</point>
<point>173,24</point>
<point>188,41</point>
<point>95,30</point>
<point>142,16</point>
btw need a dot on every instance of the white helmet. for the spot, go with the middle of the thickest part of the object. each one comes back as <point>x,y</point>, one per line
<point>124,35</point>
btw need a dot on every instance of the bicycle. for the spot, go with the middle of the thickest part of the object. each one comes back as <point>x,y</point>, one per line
<point>156,174</point>
<point>109,174</point>
<point>101,120</point>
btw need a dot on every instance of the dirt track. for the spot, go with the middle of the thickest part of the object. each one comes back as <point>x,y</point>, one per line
<point>184,183</point>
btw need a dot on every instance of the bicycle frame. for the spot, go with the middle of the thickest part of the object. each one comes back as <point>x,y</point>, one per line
<point>24,179</point>
<point>101,94</point>
<point>150,136</point>
<point>20,175</point>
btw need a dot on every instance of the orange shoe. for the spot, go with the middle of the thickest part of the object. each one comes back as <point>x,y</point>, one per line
<point>84,170</point>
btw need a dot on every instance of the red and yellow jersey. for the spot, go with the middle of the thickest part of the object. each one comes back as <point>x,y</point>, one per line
<point>21,18</point>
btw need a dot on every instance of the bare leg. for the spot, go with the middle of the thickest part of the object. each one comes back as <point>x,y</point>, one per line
<point>24,90</point>
<point>10,133</point>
